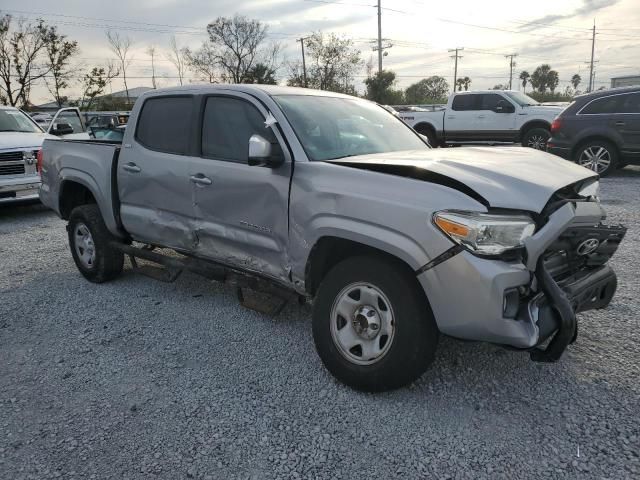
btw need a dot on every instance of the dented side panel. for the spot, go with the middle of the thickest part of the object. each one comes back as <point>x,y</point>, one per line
<point>386,212</point>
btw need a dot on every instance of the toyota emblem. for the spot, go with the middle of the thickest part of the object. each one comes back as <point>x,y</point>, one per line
<point>588,246</point>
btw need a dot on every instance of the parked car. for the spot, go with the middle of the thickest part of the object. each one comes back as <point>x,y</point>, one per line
<point>384,234</point>
<point>600,130</point>
<point>486,117</point>
<point>106,119</point>
<point>20,141</point>
<point>111,134</point>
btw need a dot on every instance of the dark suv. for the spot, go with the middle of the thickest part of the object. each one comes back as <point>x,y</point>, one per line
<point>600,130</point>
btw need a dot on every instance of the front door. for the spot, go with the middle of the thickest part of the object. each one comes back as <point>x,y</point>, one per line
<point>241,211</point>
<point>153,181</point>
<point>496,119</point>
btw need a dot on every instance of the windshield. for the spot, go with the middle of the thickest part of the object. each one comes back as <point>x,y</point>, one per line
<point>16,121</point>
<point>521,99</point>
<point>330,128</point>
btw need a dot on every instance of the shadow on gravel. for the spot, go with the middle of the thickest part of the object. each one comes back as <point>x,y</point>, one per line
<point>21,208</point>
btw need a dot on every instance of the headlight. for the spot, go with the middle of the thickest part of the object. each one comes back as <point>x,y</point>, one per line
<point>485,234</point>
<point>591,190</point>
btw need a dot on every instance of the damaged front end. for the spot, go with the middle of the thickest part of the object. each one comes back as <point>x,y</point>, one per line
<point>532,297</point>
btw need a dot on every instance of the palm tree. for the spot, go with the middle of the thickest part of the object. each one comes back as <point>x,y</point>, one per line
<point>575,81</point>
<point>466,83</point>
<point>460,84</point>
<point>524,76</point>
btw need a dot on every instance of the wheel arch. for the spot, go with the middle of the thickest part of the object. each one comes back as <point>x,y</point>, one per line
<point>329,250</point>
<point>73,193</point>
<point>538,123</point>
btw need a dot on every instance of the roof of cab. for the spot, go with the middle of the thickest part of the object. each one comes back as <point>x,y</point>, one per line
<point>271,90</point>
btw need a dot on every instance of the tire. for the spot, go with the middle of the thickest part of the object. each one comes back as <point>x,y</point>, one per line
<point>429,133</point>
<point>536,138</point>
<point>604,156</point>
<point>89,242</point>
<point>411,342</point>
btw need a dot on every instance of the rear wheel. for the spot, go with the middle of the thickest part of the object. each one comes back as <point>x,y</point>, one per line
<point>598,155</point>
<point>536,138</point>
<point>89,241</point>
<point>372,325</point>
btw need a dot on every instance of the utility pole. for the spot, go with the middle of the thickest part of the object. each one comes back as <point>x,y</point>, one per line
<point>304,65</point>
<point>593,47</point>
<point>455,68</point>
<point>511,65</point>
<point>379,38</point>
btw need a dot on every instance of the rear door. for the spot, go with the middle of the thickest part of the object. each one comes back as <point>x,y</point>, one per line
<point>153,180</point>
<point>241,211</point>
<point>461,120</point>
<point>628,124</point>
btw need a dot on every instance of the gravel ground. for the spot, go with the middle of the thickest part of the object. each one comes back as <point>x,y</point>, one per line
<point>142,379</point>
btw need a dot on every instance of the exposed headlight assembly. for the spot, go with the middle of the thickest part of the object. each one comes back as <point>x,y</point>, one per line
<point>591,190</point>
<point>483,233</point>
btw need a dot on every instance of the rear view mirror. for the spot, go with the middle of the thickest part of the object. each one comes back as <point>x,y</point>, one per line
<point>62,129</point>
<point>261,153</point>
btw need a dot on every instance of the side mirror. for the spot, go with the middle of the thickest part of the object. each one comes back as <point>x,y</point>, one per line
<point>261,153</point>
<point>505,107</point>
<point>62,129</point>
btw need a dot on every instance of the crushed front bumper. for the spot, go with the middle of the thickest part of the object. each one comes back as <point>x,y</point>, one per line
<point>523,303</point>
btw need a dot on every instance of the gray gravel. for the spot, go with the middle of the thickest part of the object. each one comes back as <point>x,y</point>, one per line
<point>142,379</point>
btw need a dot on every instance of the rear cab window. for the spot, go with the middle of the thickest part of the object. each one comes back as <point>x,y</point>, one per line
<point>164,124</point>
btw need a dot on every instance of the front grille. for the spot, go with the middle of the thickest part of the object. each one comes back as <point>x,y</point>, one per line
<point>10,156</point>
<point>11,169</point>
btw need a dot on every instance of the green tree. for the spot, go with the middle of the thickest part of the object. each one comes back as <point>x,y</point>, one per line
<point>464,82</point>
<point>544,78</point>
<point>380,88</point>
<point>94,83</point>
<point>575,81</point>
<point>59,52</point>
<point>261,73</point>
<point>525,77</point>
<point>433,89</point>
<point>332,63</point>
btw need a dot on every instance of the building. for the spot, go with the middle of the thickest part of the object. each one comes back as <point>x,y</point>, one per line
<point>626,81</point>
<point>134,93</point>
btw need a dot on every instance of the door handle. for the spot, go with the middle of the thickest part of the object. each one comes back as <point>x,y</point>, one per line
<point>131,167</point>
<point>482,116</point>
<point>620,124</point>
<point>451,117</point>
<point>200,179</point>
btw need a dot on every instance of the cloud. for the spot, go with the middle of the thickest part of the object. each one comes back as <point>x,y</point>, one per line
<point>587,8</point>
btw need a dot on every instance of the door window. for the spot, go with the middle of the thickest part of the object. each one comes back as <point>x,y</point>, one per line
<point>630,103</point>
<point>605,105</point>
<point>489,101</point>
<point>164,124</point>
<point>227,125</point>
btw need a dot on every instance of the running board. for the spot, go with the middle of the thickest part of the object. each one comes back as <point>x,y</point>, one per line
<point>254,292</point>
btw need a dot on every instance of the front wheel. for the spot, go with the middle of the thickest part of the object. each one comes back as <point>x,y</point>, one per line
<point>372,325</point>
<point>536,138</point>
<point>89,241</point>
<point>599,156</point>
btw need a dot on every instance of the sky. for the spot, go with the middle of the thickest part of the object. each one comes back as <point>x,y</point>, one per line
<point>421,32</point>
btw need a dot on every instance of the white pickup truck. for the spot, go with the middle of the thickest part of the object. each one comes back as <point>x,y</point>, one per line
<point>20,141</point>
<point>487,117</point>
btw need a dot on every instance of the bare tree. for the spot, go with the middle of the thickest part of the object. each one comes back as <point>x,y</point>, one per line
<point>179,58</point>
<point>151,51</point>
<point>59,51</point>
<point>204,63</point>
<point>120,46</point>
<point>20,50</point>
<point>238,41</point>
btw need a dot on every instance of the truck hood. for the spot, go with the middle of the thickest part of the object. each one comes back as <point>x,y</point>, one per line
<point>501,177</point>
<point>17,140</point>
<point>546,111</point>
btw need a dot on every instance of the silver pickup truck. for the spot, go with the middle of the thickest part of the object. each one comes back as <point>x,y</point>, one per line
<point>329,198</point>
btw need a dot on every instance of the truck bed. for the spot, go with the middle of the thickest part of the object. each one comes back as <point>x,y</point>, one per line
<point>90,163</point>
